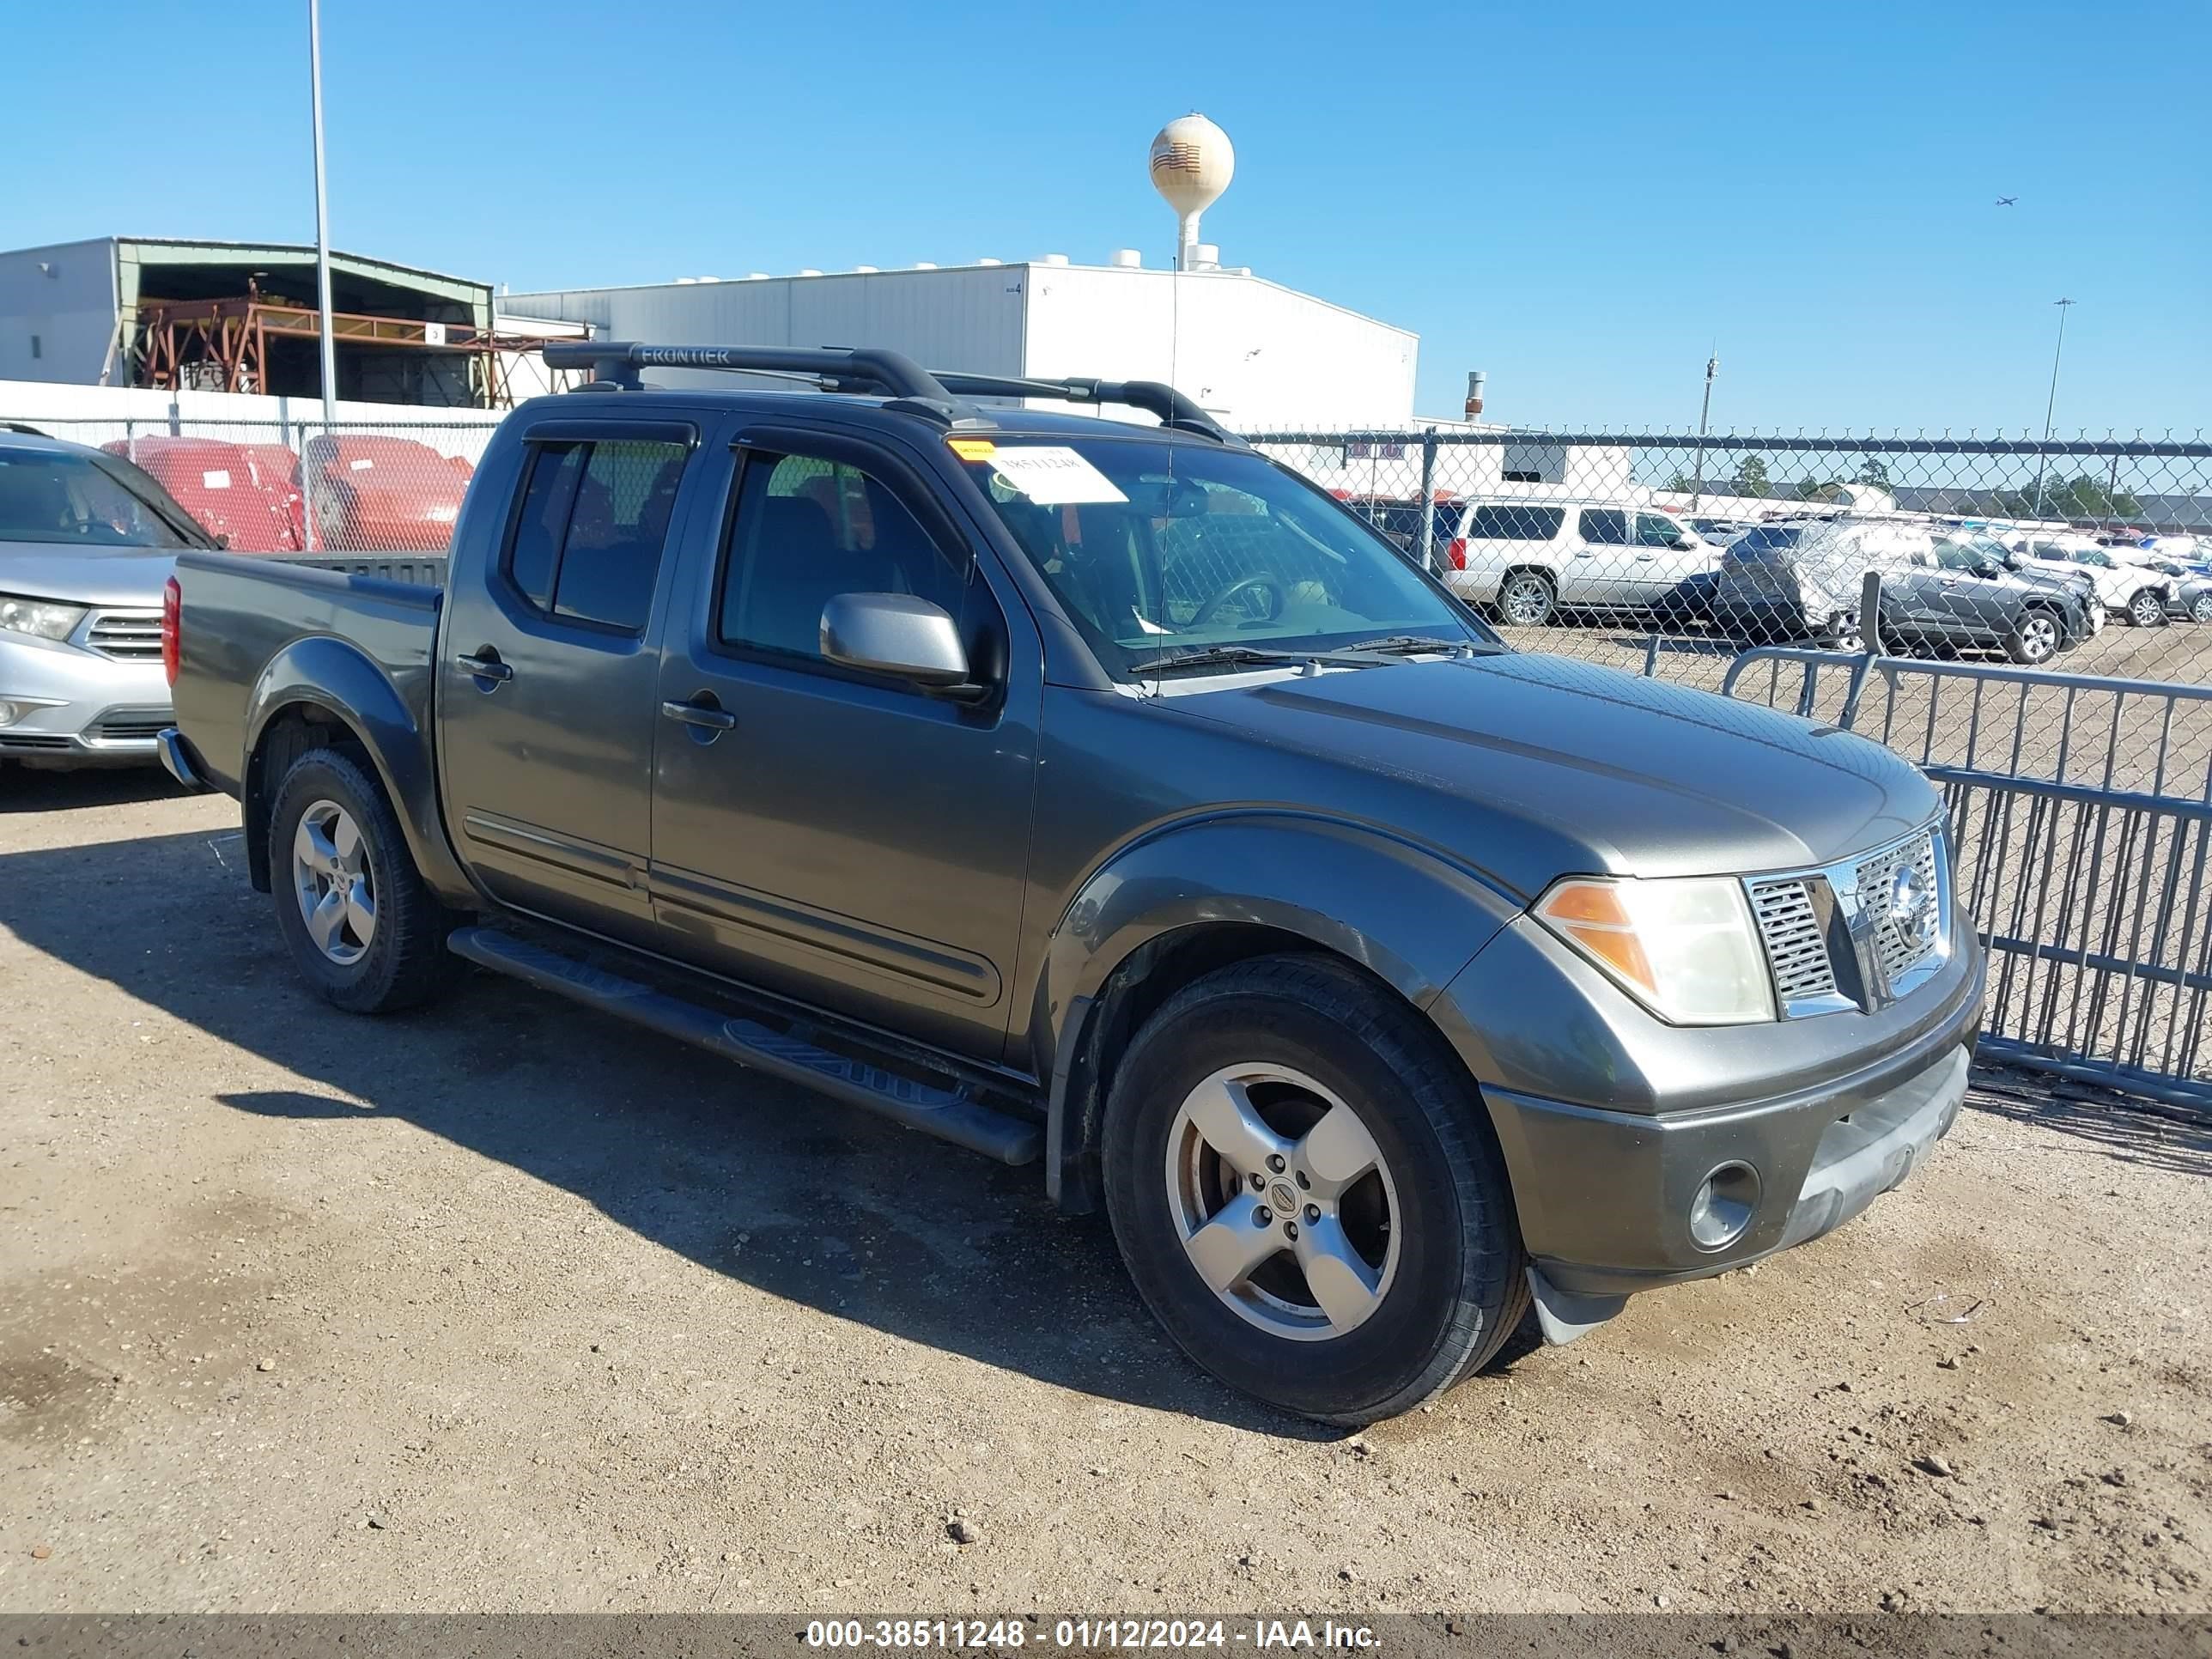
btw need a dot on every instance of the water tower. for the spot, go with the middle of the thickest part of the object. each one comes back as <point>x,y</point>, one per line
<point>1192,162</point>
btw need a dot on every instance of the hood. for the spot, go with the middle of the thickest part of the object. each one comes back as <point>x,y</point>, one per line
<point>1534,767</point>
<point>85,575</point>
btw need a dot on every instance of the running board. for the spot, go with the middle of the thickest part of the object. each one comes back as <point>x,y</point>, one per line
<point>950,1113</point>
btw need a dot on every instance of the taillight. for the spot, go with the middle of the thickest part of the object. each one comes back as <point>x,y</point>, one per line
<point>1458,553</point>
<point>172,599</point>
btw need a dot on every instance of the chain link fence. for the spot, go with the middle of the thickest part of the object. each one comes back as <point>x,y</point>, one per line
<point>299,487</point>
<point>1673,553</point>
<point>2044,624</point>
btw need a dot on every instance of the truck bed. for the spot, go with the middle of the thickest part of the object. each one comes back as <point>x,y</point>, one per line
<point>254,626</point>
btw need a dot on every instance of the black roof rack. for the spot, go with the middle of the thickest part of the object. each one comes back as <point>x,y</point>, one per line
<point>940,396</point>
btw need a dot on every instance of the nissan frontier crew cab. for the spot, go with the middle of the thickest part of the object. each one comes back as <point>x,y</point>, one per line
<point>1105,796</point>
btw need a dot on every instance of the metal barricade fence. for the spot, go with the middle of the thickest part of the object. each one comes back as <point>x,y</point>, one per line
<point>2081,824</point>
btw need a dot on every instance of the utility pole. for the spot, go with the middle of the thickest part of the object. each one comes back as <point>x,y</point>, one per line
<point>2052,405</point>
<point>1704,416</point>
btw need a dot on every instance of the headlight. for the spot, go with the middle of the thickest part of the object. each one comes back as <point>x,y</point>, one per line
<point>1685,948</point>
<point>41,618</point>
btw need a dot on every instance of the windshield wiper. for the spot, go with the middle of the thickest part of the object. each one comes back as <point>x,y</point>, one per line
<point>1213,656</point>
<point>1409,645</point>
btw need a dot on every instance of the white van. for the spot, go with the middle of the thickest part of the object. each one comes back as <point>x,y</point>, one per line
<point>1532,559</point>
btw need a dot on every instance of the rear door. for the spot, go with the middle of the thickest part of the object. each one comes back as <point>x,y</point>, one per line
<point>547,692</point>
<point>838,836</point>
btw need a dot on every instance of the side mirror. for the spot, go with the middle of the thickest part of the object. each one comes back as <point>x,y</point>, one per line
<point>223,540</point>
<point>895,634</point>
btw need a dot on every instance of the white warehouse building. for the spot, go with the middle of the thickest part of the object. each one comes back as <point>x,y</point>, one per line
<point>1256,355</point>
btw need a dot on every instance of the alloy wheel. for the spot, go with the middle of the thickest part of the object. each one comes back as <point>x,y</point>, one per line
<point>334,883</point>
<point>1527,601</point>
<point>1282,1201</point>
<point>2039,637</point>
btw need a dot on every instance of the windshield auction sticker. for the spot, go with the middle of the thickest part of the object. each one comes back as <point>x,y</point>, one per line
<point>1053,474</point>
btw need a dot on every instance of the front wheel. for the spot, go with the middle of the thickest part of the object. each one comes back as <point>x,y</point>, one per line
<point>2148,608</point>
<point>363,929</point>
<point>1307,1193</point>
<point>2201,609</point>
<point>2034,639</point>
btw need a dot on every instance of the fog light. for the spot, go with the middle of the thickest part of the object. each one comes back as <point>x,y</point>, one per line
<point>12,712</point>
<point>1723,1207</point>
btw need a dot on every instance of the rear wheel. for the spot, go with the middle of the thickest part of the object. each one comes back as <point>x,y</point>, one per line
<point>363,929</point>
<point>2148,608</point>
<point>2034,639</point>
<point>2201,610</point>
<point>1527,598</point>
<point>1843,633</point>
<point>1307,1193</point>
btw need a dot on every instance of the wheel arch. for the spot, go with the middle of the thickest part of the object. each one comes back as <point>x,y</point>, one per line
<point>324,693</point>
<point>1187,901</point>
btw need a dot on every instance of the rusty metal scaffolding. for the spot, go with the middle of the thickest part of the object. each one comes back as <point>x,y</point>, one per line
<point>222,345</point>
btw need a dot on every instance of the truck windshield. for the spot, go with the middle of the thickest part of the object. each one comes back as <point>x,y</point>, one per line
<point>1156,549</point>
<point>57,497</point>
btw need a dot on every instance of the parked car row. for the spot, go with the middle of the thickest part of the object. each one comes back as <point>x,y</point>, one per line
<point>2031,592</point>
<point>366,494</point>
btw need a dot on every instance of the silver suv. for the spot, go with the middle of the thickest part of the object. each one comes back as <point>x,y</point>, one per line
<point>1530,560</point>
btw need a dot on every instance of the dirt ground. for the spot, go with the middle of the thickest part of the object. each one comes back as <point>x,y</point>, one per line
<point>502,1306</point>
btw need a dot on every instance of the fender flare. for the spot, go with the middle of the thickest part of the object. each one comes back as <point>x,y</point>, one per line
<point>338,677</point>
<point>1406,913</point>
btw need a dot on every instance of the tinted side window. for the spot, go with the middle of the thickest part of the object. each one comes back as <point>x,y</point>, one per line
<point>1515,524</point>
<point>1606,526</point>
<point>1655,530</point>
<point>547,496</point>
<point>594,517</point>
<point>611,556</point>
<point>807,530</point>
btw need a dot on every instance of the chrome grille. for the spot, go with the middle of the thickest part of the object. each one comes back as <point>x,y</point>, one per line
<point>126,635</point>
<point>1900,946</point>
<point>1797,948</point>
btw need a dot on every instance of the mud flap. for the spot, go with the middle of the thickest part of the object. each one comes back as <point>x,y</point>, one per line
<point>1565,1315</point>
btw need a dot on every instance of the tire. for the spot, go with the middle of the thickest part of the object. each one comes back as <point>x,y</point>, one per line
<point>1842,632</point>
<point>2148,608</point>
<point>1435,1293</point>
<point>2035,639</point>
<point>385,948</point>
<point>1527,598</point>
<point>2201,611</point>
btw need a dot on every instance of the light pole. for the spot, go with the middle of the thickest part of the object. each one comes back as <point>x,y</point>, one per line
<point>1705,415</point>
<point>322,214</point>
<point>2051,405</point>
<point>329,347</point>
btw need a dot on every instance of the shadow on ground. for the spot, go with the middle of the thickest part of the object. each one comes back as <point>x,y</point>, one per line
<point>2155,1137</point>
<point>25,789</point>
<point>765,1183</point>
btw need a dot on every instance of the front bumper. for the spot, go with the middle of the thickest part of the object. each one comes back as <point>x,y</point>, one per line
<point>79,708</point>
<point>1612,1123</point>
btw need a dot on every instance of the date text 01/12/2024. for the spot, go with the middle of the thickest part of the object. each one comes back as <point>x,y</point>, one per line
<point>1085,1634</point>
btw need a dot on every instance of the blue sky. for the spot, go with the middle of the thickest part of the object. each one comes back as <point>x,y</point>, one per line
<point>1581,200</point>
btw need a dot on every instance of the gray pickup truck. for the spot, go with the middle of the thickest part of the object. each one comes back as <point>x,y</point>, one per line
<point>1105,794</point>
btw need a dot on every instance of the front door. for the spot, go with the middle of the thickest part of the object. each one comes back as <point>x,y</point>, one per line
<point>1596,570</point>
<point>547,691</point>
<point>843,837</point>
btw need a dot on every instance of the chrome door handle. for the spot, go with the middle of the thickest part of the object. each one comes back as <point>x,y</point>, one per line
<point>700,714</point>
<point>485,668</point>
